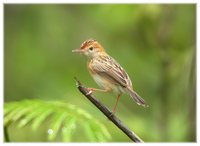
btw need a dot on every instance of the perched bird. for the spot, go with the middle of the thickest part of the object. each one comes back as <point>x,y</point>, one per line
<point>107,72</point>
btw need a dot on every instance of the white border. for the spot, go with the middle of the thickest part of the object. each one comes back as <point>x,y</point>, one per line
<point>105,2</point>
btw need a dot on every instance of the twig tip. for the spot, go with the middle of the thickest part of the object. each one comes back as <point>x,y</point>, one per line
<point>78,83</point>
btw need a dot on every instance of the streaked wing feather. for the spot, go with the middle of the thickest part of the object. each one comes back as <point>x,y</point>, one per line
<point>109,68</point>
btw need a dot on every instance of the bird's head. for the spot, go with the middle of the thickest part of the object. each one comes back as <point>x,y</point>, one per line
<point>91,48</point>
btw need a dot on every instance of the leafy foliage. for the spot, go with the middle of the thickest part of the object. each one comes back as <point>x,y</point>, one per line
<point>64,118</point>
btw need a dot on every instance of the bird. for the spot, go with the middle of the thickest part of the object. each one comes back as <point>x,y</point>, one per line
<point>107,72</point>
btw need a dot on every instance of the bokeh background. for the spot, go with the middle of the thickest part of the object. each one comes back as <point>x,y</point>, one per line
<point>155,44</point>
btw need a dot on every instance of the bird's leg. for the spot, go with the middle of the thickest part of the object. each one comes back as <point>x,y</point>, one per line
<point>114,109</point>
<point>100,90</point>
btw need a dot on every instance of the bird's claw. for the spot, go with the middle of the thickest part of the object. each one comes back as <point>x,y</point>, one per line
<point>89,92</point>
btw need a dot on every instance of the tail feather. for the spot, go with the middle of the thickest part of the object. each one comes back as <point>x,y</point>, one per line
<point>139,100</point>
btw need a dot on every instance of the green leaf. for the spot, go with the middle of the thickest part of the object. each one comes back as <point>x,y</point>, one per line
<point>21,112</point>
<point>38,121</point>
<point>89,132</point>
<point>100,137</point>
<point>64,118</point>
<point>68,129</point>
<point>84,113</point>
<point>9,107</point>
<point>10,115</point>
<point>105,131</point>
<point>99,131</point>
<point>30,116</point>
<point>56,124</point>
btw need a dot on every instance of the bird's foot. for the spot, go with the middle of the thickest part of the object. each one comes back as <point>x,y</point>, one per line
<point>89,91</point>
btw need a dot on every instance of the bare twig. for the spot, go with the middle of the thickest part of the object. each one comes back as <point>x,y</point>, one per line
<point>107,113</point>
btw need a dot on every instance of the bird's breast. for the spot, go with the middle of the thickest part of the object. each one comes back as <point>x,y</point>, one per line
<point>90,68</point>
<point>106,84</point>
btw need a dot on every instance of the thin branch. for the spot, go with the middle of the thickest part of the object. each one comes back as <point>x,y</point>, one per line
<point>107,113</point>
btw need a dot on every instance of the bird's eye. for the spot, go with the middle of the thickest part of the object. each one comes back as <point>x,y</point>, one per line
<point>91,48</point>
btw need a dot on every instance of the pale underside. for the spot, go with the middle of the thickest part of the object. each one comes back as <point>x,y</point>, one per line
<point>108,74</point>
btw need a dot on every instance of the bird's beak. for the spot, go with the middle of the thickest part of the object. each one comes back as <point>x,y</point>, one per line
<point>78,50</point>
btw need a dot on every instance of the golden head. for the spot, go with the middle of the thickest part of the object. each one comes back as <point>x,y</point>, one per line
<point>91,48</point>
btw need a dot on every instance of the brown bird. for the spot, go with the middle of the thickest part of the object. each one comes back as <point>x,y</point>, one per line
<point>107,72</point>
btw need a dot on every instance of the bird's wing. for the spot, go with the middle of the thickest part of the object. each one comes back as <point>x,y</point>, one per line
<point>109,68</point>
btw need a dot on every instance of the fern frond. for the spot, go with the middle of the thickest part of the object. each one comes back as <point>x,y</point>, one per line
<point>89,132</point>
<point>30,116</point>
<point>56,122</point>
<point>63,119</point>
<point>68,129</point>
<point>38,121</point>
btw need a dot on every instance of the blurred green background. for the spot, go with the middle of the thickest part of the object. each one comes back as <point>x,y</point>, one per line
<point>155,44</point>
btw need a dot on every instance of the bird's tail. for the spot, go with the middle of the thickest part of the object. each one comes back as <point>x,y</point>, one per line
<point>139,100</point>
